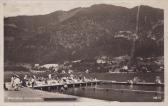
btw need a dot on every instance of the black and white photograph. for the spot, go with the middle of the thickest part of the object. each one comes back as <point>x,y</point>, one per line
<point>83,51</point>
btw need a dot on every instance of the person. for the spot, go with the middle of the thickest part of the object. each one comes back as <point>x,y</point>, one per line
<point>136,80</point>
<point>157,80</point>
<point>62,89</point>
<point>16,82</point>
<point>24,84</point>
<point>130,82</point>
<point>84,79</point>
<point>49,77</point>
<point>32,82</point>
<point>95,79</point>
<point>34,77</point>
<point>12,81</point>
<point>65,87</point>
<point>158,96</point>
<point>125,68</point>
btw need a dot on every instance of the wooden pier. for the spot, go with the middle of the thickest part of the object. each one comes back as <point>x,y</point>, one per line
<point>57,87</point>
<point>128,83</point>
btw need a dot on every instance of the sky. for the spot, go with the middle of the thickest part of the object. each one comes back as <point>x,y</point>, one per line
<point>36,7</point>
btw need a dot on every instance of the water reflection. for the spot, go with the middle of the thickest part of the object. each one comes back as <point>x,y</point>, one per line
<point>158,94</point>
<point>131,87</point>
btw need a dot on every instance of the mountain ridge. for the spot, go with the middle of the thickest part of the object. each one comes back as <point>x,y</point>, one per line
<point>80,33</point>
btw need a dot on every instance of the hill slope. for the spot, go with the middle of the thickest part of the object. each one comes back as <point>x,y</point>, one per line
<point>83,33</point>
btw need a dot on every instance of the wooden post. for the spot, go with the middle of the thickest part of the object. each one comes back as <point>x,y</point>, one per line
<point>80,85</point>
<point>57,88</point>
<point>49,88</point>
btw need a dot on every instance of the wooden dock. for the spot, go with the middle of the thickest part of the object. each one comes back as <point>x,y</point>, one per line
<point>53,87</point>
<point>128,83</point>
<point>57,87</point>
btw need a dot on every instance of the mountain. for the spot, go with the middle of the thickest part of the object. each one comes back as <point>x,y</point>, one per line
<point>83,33</point>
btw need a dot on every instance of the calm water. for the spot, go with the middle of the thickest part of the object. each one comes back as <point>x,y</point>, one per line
<point>122,93</point>
<point>113,92</point>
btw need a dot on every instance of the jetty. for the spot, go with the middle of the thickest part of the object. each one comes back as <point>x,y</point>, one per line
<point>49,87</point>
<point>137,83</point>
<point>39,93</point>
<point>58,86</point>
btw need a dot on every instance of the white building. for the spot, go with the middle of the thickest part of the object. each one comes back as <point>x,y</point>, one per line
<point>49,66</point>
<point>36,65</point>
<point>101,61</point>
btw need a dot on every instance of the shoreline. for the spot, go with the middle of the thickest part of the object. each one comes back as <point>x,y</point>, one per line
<point>33,95</point>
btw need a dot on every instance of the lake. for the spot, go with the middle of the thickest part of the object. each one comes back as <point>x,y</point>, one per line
<point>113,92</point>
<point>122,93</point>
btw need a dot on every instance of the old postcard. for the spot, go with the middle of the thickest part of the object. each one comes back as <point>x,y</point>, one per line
<point>83,52</point>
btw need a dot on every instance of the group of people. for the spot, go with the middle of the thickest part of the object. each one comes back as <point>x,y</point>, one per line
<point>15,82</point>
<point>31,81</point>
<point>63,80</point>
<point>136,80</point>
